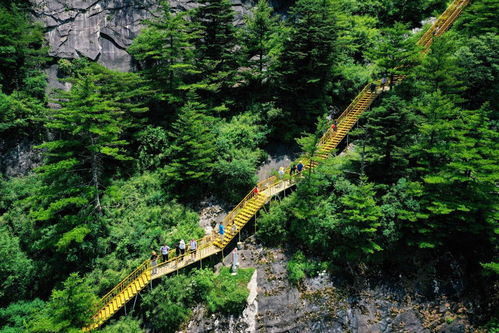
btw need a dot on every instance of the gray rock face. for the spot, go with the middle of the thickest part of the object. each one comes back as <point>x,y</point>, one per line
<point>102,30</point>
<point>19,159</point>
<point>321,304</point>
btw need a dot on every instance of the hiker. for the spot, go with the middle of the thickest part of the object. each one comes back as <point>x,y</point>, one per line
<point>300,166</point>
<point>154,262</point>
<point>333,111</point>
<point>193,246</point>
<point>181,246</point>
<point>177,253</point>
<point>373,88</point>
<point>256,190</point>
<point>435,32</point>
<point>292,170</point>
<point>235,261</point>
<point>383,82</point>
<point>221,231</point>
<point>281,173</point>
<point>164,252</point>
<point>334,126</point>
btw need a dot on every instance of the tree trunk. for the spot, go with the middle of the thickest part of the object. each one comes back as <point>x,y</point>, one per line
<point>96,177</point>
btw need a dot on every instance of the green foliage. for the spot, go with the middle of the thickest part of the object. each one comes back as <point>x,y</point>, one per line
<point>89,132</point>
<point>237,143</point>
<point>440,71</point>
<point>68,309</point>
<point>166,53</point>
<point>193,151</point>
<point>394,52</point>
<point>214,43</point>
<point>296,268</point>
<point>21,52</point>
<point>230,292</point>
<point>480,63</point>
<point>15,317</point>
<point>126,324</point>
<point>480,18</point>
<point>492,267</point>
<point>401,210</point>
<point>358,223</point>
<point>170,304</point>
<point>300,267</point>
<point>420,177</point>
<point>16,269</point>
<point>139,217</point>
<point>387,132</point>
<point>304,68</point>
<point>217,33</point>
<point>272,225</point>
<point>153,148</point>
<point>22,80</point>
<point>392,11</point>
<point>259,38</point>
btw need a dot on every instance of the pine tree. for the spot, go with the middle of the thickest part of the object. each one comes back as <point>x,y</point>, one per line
<point>387,132</point>
<point>394,52</point>
<point>258,37</point>
<point>480,63</point>
<point>358,223</point>
<point>216,41</point>
<point>22,55</point>
<point>480,18</point>
<point>88,143</point>
<point>439,70</point>
<point>193,151</point>
<point>456,158</point>
<point>304,69</point>
<point>166,51</point>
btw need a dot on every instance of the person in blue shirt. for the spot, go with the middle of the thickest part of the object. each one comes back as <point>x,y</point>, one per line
<point>221,231</point>
<point>299,167</point>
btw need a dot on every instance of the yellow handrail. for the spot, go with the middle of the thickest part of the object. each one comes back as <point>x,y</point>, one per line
<point>124,283</point>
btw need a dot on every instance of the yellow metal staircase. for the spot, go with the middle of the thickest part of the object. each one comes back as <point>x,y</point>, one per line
<point>253,202</point>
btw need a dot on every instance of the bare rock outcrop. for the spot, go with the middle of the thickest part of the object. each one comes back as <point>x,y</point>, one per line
<point>102,30</point>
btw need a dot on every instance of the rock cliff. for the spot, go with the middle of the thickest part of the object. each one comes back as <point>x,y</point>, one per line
<point>413,301</point>
<point>102,30</point>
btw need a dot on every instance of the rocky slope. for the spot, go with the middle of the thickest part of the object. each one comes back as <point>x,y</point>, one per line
<point>329,304</point>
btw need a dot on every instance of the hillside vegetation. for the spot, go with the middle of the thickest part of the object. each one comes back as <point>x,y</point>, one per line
<point>128,157</point>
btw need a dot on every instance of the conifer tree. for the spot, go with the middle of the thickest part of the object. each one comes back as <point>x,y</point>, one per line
<point>88,133</point>
<point>387,132</point>
<point>439,70</point>
<point>456,159</point>
<point>480,18</point>
<point>216,41</point>
<point>394,53</point>
<point>22,54</point>
<point>480,63</point>
<point>358,222</point>
<point>166,51</point>
<point>304,69</point>
<point>258,37</point>
<point>193,151</point>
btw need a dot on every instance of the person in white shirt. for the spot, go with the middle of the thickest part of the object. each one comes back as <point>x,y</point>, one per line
<point>164,252</point>
<point>193,247</point>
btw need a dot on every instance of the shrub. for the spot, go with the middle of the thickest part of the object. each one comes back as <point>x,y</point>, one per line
<point>230,292</point>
